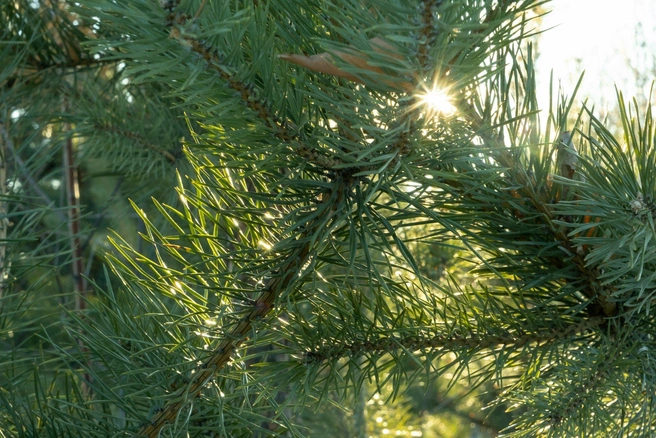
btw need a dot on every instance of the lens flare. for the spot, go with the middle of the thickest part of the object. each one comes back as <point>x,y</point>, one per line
<point>437,102</point>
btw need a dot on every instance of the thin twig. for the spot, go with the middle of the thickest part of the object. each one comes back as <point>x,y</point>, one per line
<point>4,222</point>
<point>137,138</point>
<point>200,8</point>
<point>33,185</point>
<point>284,129</point>
<point>103,213</point>
<point>447,343</point>
<point>73,203</point>
<point>77,264</point>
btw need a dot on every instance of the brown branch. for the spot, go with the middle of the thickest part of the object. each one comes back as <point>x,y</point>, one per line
<point>73,203</point>
<point>72,182</point>
<point>4,222</point>
<point>428,32</point>
<point>200,9</point>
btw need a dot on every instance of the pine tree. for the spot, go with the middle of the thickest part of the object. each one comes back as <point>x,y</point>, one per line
<point>374,199</point>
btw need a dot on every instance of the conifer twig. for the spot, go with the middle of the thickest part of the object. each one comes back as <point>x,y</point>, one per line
<point>576,396</point>
<point>72,188</point>
<point>73,206</point>
<point>594,290</point>
<point>287,275</point>
<point>428,31</point>
<point>200,9</point>
<point>384,344</point>
<point>33,184</point>
<point>4,222</point>
<point>284,130</point>
<point>136,137</point>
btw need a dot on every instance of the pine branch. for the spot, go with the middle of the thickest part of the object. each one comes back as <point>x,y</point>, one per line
<point>283,129</point>
<point>288,274</point>
<point>137,138</point>
<point>4,221</point>
<point>428,32</point>
<point>593,290</point>
<point>576,396</point>
<point>34,185</point>
<point>287,277</point>
<point>447,343</point>
<point>73,208</point>
<point>264,228</point>
<point>282,281</point>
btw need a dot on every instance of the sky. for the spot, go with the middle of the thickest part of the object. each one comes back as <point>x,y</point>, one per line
<point>597,36</point>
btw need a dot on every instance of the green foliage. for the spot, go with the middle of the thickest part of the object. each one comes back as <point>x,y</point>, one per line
<point>334,243</point>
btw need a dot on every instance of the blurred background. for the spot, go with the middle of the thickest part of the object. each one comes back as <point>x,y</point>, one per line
<point>613,42</point>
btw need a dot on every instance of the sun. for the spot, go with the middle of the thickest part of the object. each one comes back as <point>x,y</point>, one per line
<point>436,102</point>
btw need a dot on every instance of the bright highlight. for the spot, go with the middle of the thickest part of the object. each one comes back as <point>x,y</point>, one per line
<point>438,102</point>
